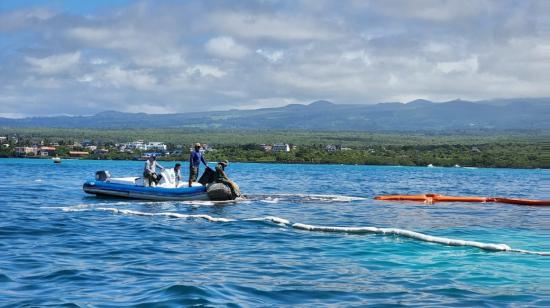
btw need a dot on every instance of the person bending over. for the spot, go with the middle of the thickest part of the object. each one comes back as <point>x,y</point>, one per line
<point>221,177</point>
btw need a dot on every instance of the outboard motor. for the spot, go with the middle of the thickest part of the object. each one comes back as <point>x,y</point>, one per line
<point>102,175</point>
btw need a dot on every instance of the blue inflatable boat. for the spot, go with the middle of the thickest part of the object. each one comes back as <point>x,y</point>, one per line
<point>133,187</point>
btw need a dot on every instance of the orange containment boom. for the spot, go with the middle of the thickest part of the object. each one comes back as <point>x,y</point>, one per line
<point>431,198</point>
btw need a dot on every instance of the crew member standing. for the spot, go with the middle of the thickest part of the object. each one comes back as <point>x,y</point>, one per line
<point>195,160</point>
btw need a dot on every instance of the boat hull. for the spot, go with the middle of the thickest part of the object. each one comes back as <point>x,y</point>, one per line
<point>102,188</point>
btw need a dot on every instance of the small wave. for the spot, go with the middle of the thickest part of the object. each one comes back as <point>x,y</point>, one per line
<point>5,278</point>
<point>332,229</point>
<point>304,198</point>
<point>164,214</point>
<point>198,203</point>
<point>273,219</point>
<point>211,203</point>
<point>74,208</point>
<point>270,200</point>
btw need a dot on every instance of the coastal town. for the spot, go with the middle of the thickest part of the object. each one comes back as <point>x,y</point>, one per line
<point>245,147</point>
<point>12,146</point>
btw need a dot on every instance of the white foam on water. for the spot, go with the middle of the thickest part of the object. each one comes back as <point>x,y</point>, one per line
<point>405,233</point>
<point>313,228</point>
<point>273,219</point>
<point>540,253</point>
<point>38,180</point>
<point>74,208</point>
<point>198,203</point>
<point>164,214</point>
<point>307,197</point>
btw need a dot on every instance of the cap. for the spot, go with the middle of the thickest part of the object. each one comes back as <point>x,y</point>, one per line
<point>225,163</point>
<point>198,144</point>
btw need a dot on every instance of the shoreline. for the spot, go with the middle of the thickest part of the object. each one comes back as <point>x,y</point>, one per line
<point>292,163</point>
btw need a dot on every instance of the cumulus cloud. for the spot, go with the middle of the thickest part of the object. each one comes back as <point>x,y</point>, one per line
<point>13,21</point>
<point>468,65</point>
<point>272,56</point>
<point>272,26</point>
<point>244,54</point>
<point>226,47</point>
<point>119,77</point>
<point>206,70</point>
<point>55,63</point>
<point>432,10</point>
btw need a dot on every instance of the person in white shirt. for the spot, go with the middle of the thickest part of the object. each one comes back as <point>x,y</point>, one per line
<point>177,173</point>
<point>150,175</point>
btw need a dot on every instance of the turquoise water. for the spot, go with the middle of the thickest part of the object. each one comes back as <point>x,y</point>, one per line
<point>59,246</point>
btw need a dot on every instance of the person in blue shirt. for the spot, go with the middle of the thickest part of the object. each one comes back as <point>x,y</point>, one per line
<point>195,160</point>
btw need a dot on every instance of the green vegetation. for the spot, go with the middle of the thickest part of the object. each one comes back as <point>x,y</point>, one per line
<point>501,155</point>
<point>519,149</point>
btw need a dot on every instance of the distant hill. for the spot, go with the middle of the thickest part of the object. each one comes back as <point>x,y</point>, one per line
<point>326,116</point>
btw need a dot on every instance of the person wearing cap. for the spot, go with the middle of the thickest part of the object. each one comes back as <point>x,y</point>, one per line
<point>221,177</point>
<point>195,160</point>
<point>150,171</point>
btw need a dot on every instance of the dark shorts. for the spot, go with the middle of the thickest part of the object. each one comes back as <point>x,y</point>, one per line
<point>193,174</point>
<point>152,177</point>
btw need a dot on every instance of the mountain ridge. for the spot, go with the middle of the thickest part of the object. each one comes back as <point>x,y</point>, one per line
<point>322,115</point>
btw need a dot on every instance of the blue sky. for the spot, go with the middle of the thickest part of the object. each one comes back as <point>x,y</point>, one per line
<point>83,57</point>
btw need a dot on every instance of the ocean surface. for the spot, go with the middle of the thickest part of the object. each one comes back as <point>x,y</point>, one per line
<point>61,247</point>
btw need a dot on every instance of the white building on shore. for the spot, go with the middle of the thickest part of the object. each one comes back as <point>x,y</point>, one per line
<point>26,151</point>
<point>140,145</point>
<point>280,147</point>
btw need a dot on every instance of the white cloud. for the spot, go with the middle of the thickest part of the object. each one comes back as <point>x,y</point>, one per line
<point>267,102</point>
<point>55,63</point>
<point>271,26</point>
<point>206,71</point>
<point>226,47</point>
<point>151,108</point>
<point>44,83</point>
<point>13,115</point>
<point>272,56</point>
<point>436,47</point>
<point>106,37</point>
<point>154,49</point>
<point>356,55</point>
<point>119,77</point>
<point>16,20</point>
<point>432,10</point>
<point>98,61</point>
<point>168,60</point>
<point>469,65</point>
<point>241,54</point>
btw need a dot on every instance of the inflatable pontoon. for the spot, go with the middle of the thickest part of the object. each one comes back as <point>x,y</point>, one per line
<point>167,189</point>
